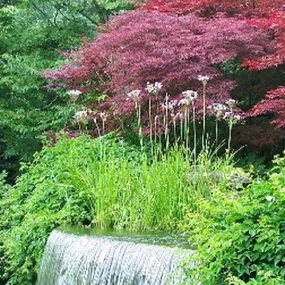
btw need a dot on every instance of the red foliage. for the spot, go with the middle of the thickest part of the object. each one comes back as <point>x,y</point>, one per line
<point>275,23</point>
<point>138,47</point>
<point>183,7</point>
<point>259,136</point>
<point>265,14</point>
<point>269,15</point>
<point>274,103</point>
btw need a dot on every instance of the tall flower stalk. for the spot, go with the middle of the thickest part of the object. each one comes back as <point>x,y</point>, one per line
<point>150,121</point>
<point>218,111</point>
<point>194,132</point>
<point>230,133</point>
<point>135,96</point>
<point>153,90</point>
<point>189,97</point>
<point>103,117</point>
<point>140,125</point>
<point>204,80</point>
<point>232,119</point>
<point>166,127</point>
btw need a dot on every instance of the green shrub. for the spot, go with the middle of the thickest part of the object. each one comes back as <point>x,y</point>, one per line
<point>46,196</point>
<point>4,192</point>
<point>240,236</point>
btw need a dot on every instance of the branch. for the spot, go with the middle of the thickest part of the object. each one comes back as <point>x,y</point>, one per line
<point>89,18</point>
<point>41,12</point>
<point>81,12</point>
<point>100,11</point>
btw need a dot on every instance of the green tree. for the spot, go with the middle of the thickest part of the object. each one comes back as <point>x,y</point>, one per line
<point>31,34</point>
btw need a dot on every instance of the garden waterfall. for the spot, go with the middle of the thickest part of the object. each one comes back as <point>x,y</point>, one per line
<point>72,259</point>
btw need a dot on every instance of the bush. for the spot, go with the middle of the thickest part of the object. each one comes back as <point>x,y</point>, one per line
<point>4,192</point>
<point>149,44</point>
<point>46,196</point>
<point>240,237</point>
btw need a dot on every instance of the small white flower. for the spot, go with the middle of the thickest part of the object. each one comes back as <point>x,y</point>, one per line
<point>81,115</point>
<point>170,105</point>
<point>190,95</point>
<point>270,198</point>
<point>203,78</point>
<point>154,88</point>
<point>158,85</point>
<point>231,103</point>
<point>135,95</point>
<point>173,103</point>
<point>184,102</point>
<point>74,94</point>
<point>237,117</point>
<point>228,115</point>
<point>217,109</point>
<point>232,118</point>
<point>103,116</point>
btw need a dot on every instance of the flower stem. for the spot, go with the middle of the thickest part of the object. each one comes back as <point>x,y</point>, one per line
<point>217,132</point>
<point>204,115</point>
<point>230,133</point>
<point>194,132</point>
<point>150,123</point>
<point>140,126</point>
<point>166,123</point>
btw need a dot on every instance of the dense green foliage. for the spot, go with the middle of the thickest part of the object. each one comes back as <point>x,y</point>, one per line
<point>31,35</point>
<point>101,182</point>
<point>240,236</point>
<point>4,192</point>
<point>46,196</point>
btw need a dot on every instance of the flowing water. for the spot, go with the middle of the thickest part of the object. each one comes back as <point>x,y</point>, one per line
<point>111,259</point>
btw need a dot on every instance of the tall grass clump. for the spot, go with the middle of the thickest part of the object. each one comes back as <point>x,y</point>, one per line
<point>149,195</point>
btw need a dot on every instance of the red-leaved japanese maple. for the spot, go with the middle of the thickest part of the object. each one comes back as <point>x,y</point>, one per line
<point>140,47</point>
<point>267,15</point>
<point>274,102</point>
<point>209,7</point>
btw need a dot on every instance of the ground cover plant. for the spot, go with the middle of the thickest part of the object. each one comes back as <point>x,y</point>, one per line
<point>241,237</point>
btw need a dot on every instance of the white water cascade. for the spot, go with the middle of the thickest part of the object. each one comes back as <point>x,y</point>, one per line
<point>72,259</point>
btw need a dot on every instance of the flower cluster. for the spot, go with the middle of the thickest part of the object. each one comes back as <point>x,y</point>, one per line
<point>170,106</point>
<point>73,95</point>
<point>103,116</point>
<point>204,79</point>
<point>189,96</point>
<point>154,88</point>
<point>135,96</point>
<point>218,110</point>
<point>81,115</point>
<point>231,103</point>
<point>232,118</point>
<point>224,111</point>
